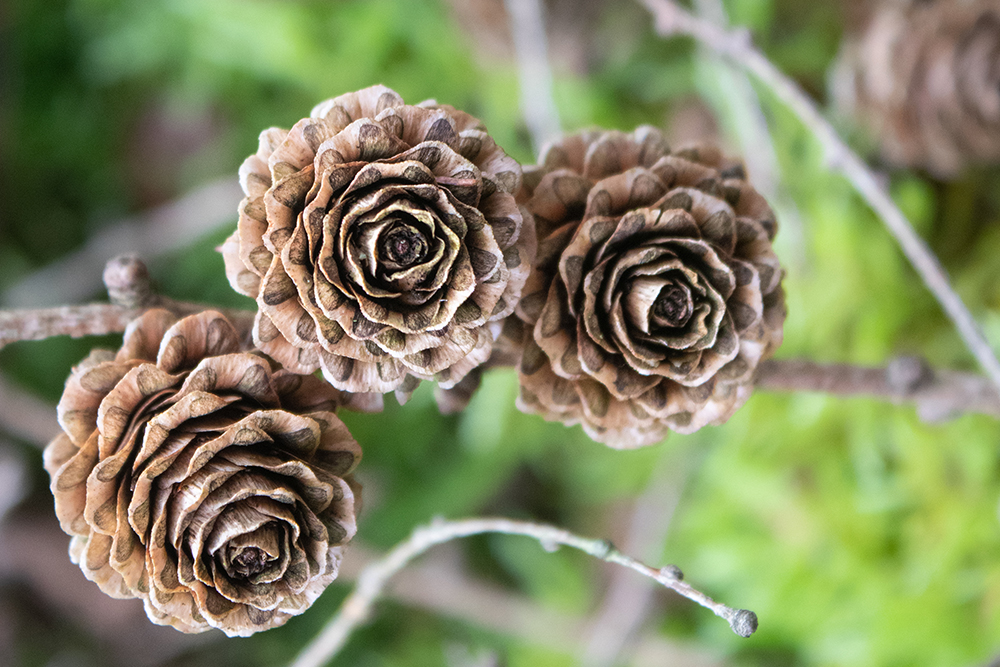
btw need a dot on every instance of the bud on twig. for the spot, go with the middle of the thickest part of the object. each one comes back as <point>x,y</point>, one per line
<point>127,280</point>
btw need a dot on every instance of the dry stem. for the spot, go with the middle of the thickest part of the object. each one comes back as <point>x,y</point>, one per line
<point>737,47</point>
<point>738,103</point>
<point>372,581</point>
<point>937,395</point>
<point>127,281</point>
<point>96,319</point>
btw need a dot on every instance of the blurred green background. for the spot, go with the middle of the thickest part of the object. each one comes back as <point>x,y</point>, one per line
<point>858,534</point>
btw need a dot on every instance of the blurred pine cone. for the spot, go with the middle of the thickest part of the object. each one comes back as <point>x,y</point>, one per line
<point>925,78</point>
<point>381,241</point>
<point>193,476</point>
<point>655,292</point>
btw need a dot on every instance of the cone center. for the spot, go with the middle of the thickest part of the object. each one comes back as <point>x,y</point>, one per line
<point>403,245</point>
<point>657,302</point>
<point>673,306</point>
<point>250,561</point>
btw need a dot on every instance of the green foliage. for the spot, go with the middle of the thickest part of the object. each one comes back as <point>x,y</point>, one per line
<point>859,535</point>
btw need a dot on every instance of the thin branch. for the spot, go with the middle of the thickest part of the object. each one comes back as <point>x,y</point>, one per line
<point>527,27</point>
<point>93,319</point>
<point>444,586</point>
<point>737,47</point>
<point>937,394</point>
<point>737,102</point>
<point>372,581</point>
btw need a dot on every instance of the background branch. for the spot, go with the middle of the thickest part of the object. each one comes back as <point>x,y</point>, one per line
<point>737,47</point>
<point>167,228</point>
<point>737,103</point>
<point>937,394</point>
<point>26,416</point>
<point>527,28</point>
<point>372,581</point>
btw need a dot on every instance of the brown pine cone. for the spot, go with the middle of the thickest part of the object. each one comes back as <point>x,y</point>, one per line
<point>924,78</point>
<point>194,477</point>
<point>381,241</point>
<point>655,292</point>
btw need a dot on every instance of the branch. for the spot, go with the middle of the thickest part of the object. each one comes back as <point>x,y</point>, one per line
<point>127,281</point>
<point>96,319</point>
<point>88,320</point>
<point>443,585</point>
<point>938,395</point>
<point>527,29</point>
<point>737,47</point>
<point>372,581</point>
<point>738,103</point>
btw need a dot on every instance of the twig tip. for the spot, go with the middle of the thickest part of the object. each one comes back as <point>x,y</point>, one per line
<point>743,622</point>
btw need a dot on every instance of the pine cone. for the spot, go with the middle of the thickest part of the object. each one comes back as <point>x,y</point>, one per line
<point>655,292</point>
<point>191,475</point>
<point>924,77</point>
<point>381,241</point>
